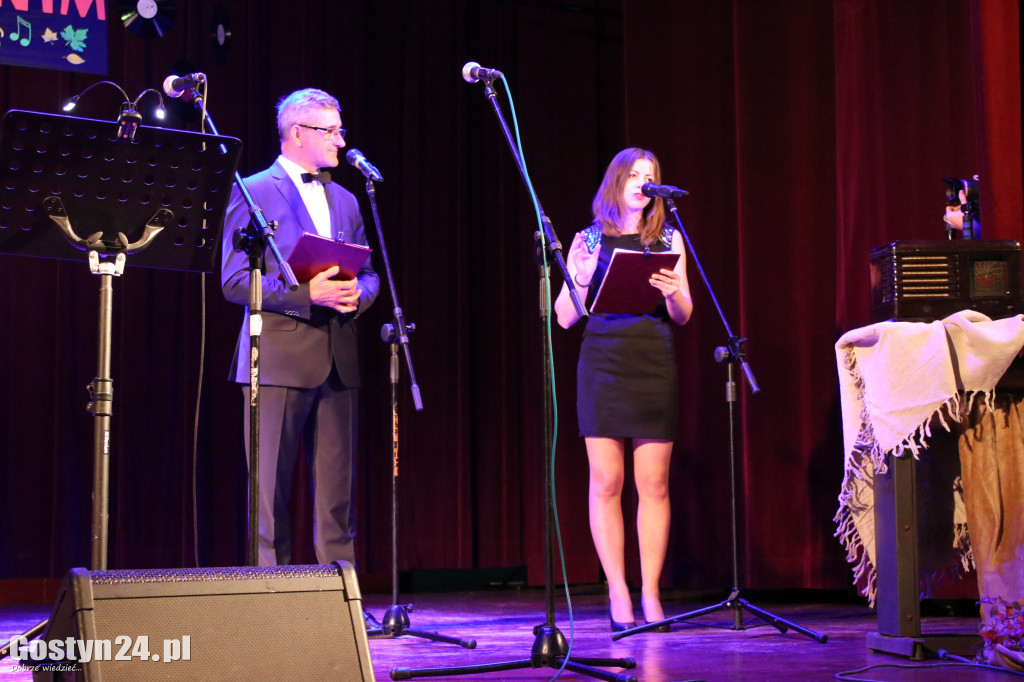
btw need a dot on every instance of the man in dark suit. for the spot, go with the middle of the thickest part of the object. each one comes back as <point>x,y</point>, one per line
<point>308,361</point>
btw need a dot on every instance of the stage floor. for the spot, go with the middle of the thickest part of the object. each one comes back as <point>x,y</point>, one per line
<point>502,623</point>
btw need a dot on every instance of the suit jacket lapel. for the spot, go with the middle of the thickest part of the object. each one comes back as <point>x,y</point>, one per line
<point>293,199</point>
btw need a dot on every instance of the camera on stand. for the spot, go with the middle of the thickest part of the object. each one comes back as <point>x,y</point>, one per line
<point>962,208</point>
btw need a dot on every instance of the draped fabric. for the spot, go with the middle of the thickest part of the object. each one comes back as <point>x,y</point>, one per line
<point>806,132</point>
<point>991,456</point>
<point>899,382</point>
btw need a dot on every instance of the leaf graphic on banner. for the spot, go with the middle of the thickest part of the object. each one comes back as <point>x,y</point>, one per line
<point>74,39</point>
<point>74,59</point>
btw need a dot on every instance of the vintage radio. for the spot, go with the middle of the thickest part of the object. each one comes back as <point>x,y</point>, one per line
<point>926,281</point>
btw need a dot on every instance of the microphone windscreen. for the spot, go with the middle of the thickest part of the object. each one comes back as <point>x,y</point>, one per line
<point>169,86</point>
<point>467,72</point>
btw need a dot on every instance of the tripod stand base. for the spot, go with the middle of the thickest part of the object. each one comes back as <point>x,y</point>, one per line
<point>396,624</point>
<point>5,650</point>
<point>735,604</point>
<point>549,651</point>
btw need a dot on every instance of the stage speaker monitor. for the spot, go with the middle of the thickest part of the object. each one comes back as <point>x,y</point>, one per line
<point>266,623</point>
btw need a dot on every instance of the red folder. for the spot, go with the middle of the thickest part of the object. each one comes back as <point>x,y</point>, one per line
<point>313,254</point>
<point>627,288</point>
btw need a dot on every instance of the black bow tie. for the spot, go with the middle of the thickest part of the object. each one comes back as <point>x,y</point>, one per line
<point>322,176</point>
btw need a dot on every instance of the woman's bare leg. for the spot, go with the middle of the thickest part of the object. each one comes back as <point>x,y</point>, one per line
<point>651,459</point>
<point>607,471</point>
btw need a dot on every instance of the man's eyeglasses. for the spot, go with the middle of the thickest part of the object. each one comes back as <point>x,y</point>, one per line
<point>328,133</point>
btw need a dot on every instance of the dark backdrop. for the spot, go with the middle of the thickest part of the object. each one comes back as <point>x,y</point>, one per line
<point>807,132</point>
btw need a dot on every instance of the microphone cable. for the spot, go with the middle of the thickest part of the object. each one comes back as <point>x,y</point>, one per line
<point>550,359</point>
<point>202,365</point>
<point>849,674</point>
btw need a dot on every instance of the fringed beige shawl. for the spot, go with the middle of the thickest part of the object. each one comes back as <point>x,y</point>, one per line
<point>894,377</point>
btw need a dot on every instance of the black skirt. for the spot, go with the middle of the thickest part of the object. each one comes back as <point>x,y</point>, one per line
<point>626,379</point>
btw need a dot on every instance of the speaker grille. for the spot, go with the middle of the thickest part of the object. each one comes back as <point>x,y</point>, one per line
<point>271,636</point>
<point>190,575</point>
<point>931,276</point>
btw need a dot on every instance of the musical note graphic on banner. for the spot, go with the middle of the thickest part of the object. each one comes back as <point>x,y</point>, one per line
<point>17,34</point>
<point>43,39</point>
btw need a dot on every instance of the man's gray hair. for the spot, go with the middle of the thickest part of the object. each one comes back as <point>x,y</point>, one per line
<point>292,108</point>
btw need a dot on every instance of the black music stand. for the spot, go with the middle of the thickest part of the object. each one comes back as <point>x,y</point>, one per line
<point>158,195</point>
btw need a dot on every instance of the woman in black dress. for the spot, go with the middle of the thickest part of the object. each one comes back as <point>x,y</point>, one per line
<point>626,378</point>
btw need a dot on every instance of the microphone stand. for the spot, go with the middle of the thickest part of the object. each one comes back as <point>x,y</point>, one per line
<point>550,648</point>
<point>254,240</point>
<point>729,355</point>
<point>395,622</point>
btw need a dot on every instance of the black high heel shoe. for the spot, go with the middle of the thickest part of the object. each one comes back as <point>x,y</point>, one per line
<point>617,626</point>
<point>664,627</point>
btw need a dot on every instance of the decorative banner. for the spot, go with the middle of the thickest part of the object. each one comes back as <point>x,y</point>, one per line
<point>68,35</point>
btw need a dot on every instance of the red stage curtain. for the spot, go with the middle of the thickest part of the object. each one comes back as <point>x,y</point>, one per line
<point>806,132</point>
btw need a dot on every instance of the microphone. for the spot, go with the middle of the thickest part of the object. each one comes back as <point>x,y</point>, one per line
<point>649,189</point>
<point>473,72</point>
<point>175,86</point>
<point>356,158</point>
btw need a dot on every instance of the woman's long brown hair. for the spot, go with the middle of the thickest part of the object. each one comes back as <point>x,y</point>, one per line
<point>608,201</point>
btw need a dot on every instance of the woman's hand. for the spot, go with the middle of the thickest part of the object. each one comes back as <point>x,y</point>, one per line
<point>583,264</point>
<point>666,281</point>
